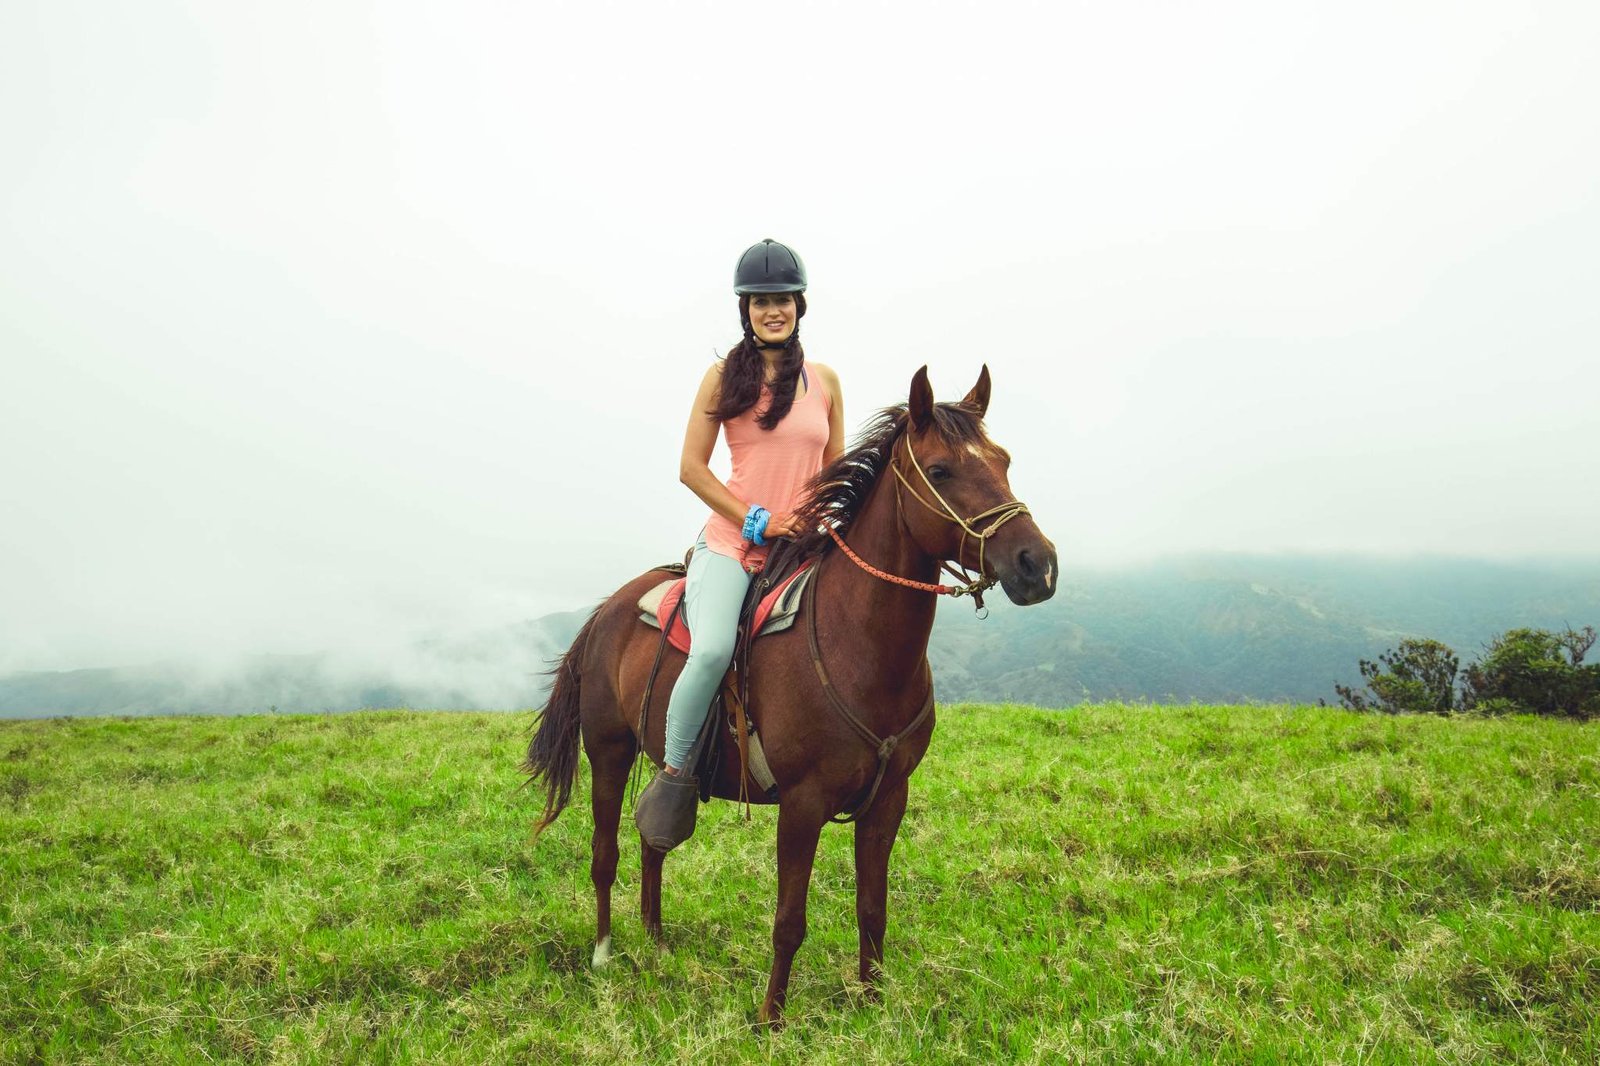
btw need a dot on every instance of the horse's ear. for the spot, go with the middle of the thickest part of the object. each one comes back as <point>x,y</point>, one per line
<point>979,396</point>
<point>920,405</point>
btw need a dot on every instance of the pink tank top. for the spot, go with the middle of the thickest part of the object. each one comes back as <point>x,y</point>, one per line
<point>770,468</point>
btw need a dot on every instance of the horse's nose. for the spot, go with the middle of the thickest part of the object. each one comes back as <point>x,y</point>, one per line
<point>1035,573</point>
<point>1026,567</point>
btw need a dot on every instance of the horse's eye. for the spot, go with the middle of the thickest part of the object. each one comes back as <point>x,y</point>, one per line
<point>938,473</point>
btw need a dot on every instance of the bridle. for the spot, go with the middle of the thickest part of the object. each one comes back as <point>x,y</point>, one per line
<point>972,586</point>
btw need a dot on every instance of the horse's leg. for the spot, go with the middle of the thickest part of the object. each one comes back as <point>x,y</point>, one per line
<point>650,888</point>
<point>874,840</point>
<point>799,826</point>
<point>609,773</point>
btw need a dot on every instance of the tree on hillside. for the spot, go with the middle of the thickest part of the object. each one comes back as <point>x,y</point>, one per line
<point>1418,677</point>
<point>1535,671</point>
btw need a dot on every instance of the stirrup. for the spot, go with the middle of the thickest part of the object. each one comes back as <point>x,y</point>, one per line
<point>665,811</point>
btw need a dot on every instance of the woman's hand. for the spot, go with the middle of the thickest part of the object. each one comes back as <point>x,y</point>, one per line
<point>782,525</point>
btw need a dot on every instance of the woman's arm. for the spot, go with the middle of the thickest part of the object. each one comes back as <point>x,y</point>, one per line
<point>694,467</point>
<point>830,381</point>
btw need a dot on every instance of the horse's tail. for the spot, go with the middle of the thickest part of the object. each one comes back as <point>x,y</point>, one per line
<point>553,751</point>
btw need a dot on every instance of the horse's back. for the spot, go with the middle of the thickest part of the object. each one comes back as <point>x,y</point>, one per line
<point>620,652</point>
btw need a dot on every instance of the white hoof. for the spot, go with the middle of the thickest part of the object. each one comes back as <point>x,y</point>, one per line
<point>602,953</point>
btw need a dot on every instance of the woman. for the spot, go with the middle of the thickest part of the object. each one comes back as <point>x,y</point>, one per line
<point>783,417</point>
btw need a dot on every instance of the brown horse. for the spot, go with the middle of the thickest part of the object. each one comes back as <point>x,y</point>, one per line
<point>870,632</point>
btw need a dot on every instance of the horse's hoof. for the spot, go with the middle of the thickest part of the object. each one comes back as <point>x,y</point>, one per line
<point>602,953</point>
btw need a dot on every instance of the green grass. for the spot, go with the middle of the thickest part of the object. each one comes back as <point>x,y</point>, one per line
<point>1105,883</point>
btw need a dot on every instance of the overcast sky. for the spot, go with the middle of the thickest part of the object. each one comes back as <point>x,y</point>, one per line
<point>336,323</point>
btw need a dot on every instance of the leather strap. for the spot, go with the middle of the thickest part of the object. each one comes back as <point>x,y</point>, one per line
<point>730,696</point>
<point>644,704</point>
<point>884,747</point>
<point>655,668</point>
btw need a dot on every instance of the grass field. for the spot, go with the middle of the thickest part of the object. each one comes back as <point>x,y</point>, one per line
<point>1105,883</point>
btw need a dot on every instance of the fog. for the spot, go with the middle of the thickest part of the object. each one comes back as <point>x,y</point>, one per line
<point>340,326</point>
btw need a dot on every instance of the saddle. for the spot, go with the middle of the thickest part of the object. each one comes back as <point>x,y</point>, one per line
<point>776,610</point>
<point>771,605</point>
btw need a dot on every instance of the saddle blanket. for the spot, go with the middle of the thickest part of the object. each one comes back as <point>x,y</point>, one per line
<point>776,611</point>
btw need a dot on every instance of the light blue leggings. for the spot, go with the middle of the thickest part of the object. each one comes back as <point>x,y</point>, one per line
<point>711,601</point>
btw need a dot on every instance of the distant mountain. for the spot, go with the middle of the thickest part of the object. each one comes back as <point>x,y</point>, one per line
<point>1218,628</point>
<point>1242,628</point>
<point>501,669</point>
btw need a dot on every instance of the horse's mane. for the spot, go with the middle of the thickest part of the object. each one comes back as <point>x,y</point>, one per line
<point>839,490</point>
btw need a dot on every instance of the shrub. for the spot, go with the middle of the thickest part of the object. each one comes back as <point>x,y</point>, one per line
<point>1419,677</point>
<point>1493,707</point>
<point>1538,672</point>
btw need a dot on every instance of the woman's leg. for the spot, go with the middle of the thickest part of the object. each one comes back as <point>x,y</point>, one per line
<point>711,600</point>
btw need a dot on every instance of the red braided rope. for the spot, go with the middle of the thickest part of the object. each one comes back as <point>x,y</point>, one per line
<point>947,590</point>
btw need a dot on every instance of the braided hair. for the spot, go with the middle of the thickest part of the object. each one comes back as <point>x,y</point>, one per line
<point>744,368</point>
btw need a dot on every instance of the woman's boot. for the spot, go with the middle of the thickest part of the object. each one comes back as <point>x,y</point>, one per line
<point>666,809</point>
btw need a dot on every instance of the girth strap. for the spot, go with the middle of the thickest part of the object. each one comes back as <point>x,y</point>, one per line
<point>731,700</point>
<point>884,746</point>
<point>644,703</point>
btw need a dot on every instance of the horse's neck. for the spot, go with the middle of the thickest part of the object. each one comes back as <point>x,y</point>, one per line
<point>888,624</point>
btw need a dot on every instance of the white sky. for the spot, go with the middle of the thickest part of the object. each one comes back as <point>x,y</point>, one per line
<point>327,324</point>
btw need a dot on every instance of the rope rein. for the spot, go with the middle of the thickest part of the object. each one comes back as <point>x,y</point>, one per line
<point>946,590</point>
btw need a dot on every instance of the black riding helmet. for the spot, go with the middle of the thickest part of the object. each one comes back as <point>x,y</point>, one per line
<point>769,267</point>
